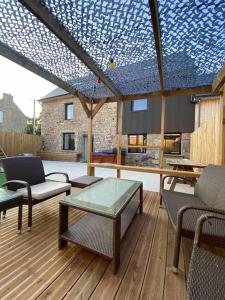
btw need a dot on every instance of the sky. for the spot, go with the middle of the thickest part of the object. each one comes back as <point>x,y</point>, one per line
<point>23,85</point>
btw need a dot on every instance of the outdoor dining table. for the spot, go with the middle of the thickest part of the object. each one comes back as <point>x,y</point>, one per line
<point>184,165</point>
<point>110,211</point>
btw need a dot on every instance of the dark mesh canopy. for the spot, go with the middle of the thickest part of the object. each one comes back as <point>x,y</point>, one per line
<point>192,42</point>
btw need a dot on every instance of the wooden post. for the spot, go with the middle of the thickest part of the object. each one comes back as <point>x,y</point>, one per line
<point>223,128</point>
<point>119,133</point>
<point>161,161</point>
<point>90,170</point>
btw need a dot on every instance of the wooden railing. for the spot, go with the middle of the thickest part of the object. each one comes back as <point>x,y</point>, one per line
<point>19,143</point>
<point>160,171</point>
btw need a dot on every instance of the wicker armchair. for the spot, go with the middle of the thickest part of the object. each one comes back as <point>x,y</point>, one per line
<point>26,175</point>
<point>206,279</point>
<point>184,209</point>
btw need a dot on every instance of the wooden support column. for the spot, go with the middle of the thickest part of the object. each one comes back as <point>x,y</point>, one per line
<point>119,134</point>
<point>161,161</point>
<point>223,128</point>
<point>90,170</point>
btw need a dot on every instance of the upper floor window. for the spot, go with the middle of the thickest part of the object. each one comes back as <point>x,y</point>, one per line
<point>1,116</point>
<point>69,111</point>
<point>139,105</point>
<point>137,140</point>
<point>68,141</point>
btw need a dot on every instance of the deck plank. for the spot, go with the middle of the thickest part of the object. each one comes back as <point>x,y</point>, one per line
<point>110,283</point>
<point>153,286</point>
<point>132,281</point>
<point>89,280</point>
<point>175,287</point>
<point>32,267</point>
<point>68,277</point>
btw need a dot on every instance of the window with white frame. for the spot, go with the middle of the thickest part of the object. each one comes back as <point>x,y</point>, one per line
<point>1,117</point>
<point>139,105</point>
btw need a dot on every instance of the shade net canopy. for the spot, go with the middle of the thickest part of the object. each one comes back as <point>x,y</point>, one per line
<point>192,37</point>
<point>193,41</point>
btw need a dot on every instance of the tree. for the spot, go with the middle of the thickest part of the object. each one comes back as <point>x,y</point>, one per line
<point>29,128</point>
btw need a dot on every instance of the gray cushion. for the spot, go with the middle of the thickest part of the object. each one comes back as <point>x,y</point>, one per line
<point>210,186</point>
<point>175,200</point>
<point>220,199</point>
<point>46,189</point>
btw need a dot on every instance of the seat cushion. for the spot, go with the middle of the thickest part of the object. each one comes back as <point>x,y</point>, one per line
<point>175,200</point>
<point>46,189</point>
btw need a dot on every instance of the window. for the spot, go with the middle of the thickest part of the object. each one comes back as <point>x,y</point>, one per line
<point>69,111</point>
<point>1,117</point>
<point>139,105</point>
<point>172,143</point>
<point>68,141</point>
<point>137,140</point>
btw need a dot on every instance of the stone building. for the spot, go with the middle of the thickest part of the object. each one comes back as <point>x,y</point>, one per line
<point>12,119</point>
<point>64,124</point>
<point>64,127</point>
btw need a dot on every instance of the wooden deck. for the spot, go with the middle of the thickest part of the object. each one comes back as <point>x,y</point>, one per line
<point>32,267</point>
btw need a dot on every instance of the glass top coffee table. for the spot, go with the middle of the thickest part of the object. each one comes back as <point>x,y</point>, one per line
<point>109,213</point>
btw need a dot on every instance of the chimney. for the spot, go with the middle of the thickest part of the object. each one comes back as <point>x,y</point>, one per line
<point>7,97</point>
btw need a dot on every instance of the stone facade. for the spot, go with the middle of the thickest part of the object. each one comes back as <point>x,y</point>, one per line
<point>104,131</point>
<point>54,125</point>
<point>151,157</point>
<point>12,118</point>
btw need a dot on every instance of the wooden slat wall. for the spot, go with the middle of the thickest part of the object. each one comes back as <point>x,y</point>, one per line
<point>206,141</point>
<point>18,143</point>
<point>209,108</point>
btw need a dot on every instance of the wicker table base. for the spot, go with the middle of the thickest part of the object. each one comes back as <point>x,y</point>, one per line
<point>98,233</point>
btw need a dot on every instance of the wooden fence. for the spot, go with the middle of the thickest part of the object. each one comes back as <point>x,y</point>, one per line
<point>18,143</point>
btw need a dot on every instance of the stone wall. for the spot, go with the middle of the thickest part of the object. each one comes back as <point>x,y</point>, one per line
<point>13,118</point>
<point>151,157</point>
<point>54,125</point>
<point>104,131</point>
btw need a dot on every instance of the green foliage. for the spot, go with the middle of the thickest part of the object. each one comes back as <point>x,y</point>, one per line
<point>2,178</point>
<point>29,128</point>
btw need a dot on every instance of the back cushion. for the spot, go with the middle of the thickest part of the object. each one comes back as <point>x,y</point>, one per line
<point>211,186</point>
<point>220,200</point>
<point>29,169</point>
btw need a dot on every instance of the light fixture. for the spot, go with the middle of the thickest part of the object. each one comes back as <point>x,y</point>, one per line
<point>112,65</point>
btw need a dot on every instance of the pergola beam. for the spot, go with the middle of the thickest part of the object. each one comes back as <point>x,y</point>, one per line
<point>84,100</point>
<point>157,37</point>
<point>21,60</point>
<point>219,81</point>
<point>177,92</point>
<point>45,16</point>
<point>188,91</point>
<point>98,106</point>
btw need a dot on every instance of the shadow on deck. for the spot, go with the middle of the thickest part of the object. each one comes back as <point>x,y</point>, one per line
<point>32,267</point>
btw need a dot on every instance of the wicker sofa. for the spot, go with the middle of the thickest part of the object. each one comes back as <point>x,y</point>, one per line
<point>206,278</point>
<point>184,209</point>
